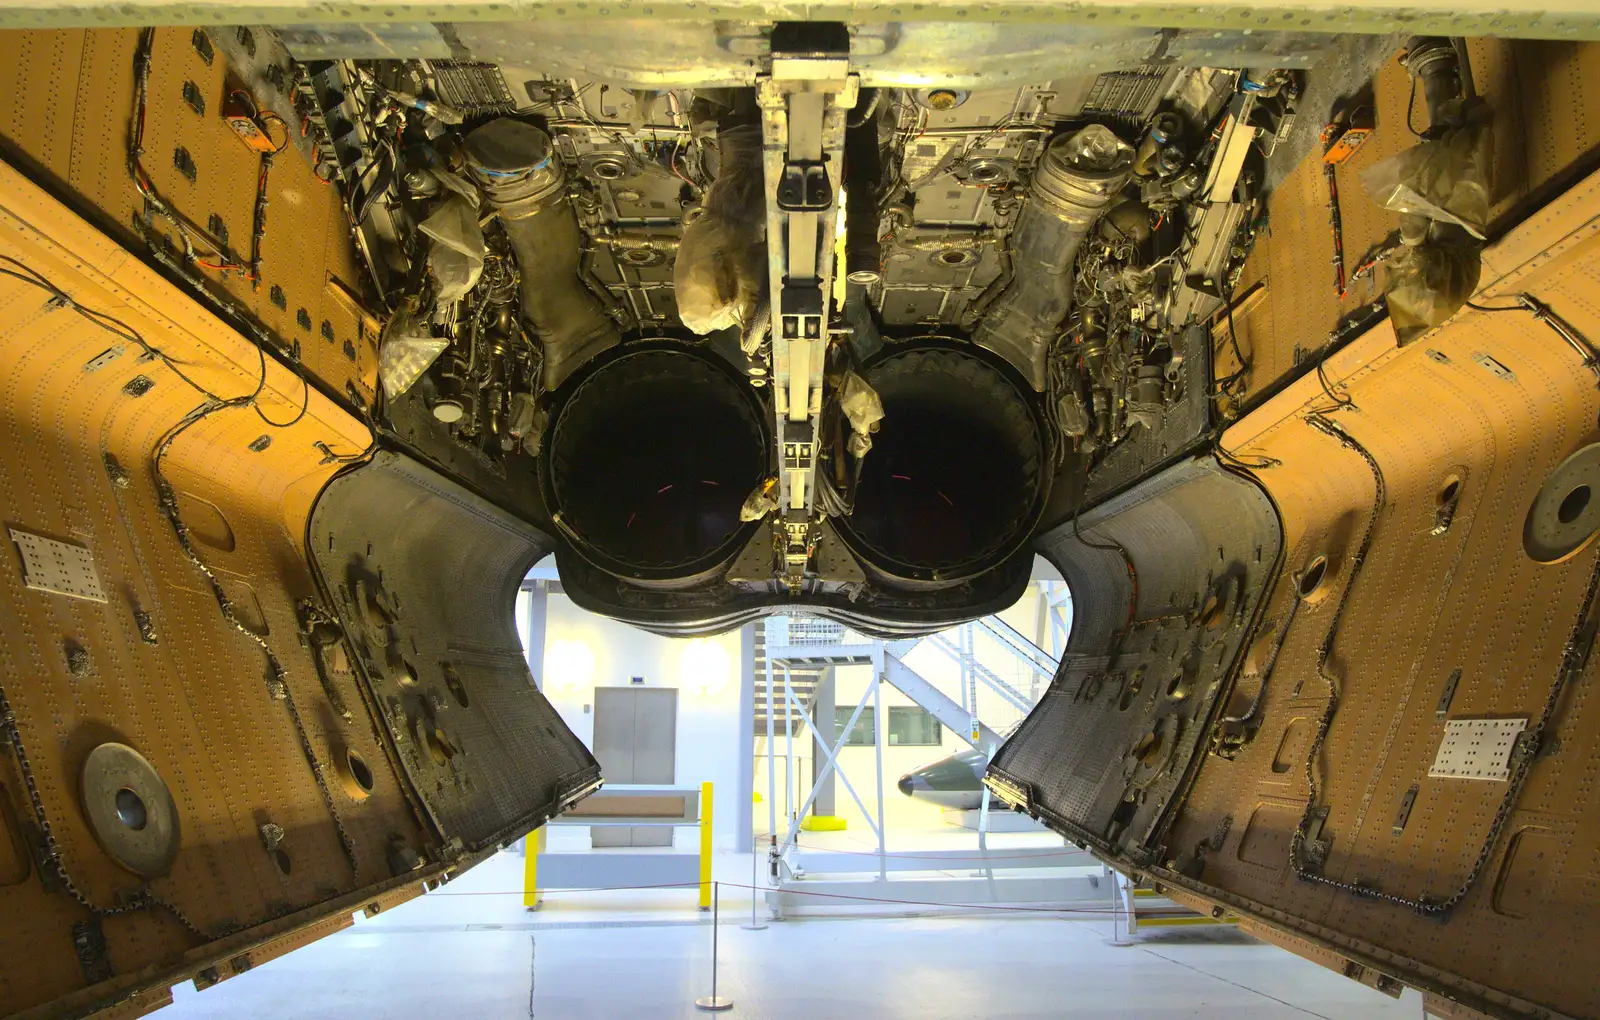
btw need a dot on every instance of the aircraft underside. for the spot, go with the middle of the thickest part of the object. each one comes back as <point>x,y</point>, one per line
<point>317,334</point>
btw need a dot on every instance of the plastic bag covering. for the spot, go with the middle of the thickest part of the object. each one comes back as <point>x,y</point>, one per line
<point>1071,416</point>
<point>457,184</point>
<point>721,270</point>
<point>1426,284</point>
<point>864,408</point>
<point>1445,180</point>
<point>529,423</point>
<point>408,350</point>
<point>763,499</point>
<point>456,257</point>
<point>1096,148</point>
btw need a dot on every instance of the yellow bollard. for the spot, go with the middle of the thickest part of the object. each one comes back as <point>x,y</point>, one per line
<point>530,868</point>
<point>705,846</point>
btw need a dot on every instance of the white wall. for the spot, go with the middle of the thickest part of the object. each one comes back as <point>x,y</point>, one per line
<point>1029,616</point>
<point>857,763</point>
<point>583,651</point>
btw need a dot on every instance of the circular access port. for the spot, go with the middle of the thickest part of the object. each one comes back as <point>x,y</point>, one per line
<point>955,478</point>
<point>987,172</point>
<point>406,674</point>
<point>1130,691</point>
<point>1565,515</point>
<point>1148,747</point>
<point>651,457</point>
<point>1309,581</point>
<point>608,168</point>
<point>440,749</point>
<point>131,810</point>
<point>1450,490</point>
<point>941,99</point>
<point>643,257</point>
<point>955,257</point>
<point>355,776</point>
<point>458,690</point>
<point>1179,686</point>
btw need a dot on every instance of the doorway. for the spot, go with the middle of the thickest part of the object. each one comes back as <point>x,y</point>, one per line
<point>635,741</point>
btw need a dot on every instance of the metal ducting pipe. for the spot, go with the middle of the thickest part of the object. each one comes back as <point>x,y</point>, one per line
<point>515,165</point>
<point>863,252</point>
<point>958,470</point>
<point>651,456</point>
<point>1437,63</point>
<point>1078,177</point>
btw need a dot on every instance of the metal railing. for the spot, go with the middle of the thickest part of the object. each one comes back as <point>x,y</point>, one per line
<point>1000,673</point>
<point>999,676</point>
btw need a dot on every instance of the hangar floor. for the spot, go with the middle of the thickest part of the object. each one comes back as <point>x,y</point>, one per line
<point>470,951</point>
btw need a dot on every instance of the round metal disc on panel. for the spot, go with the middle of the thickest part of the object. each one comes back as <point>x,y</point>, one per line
<point>1566,513</point>
<point>130,809</point>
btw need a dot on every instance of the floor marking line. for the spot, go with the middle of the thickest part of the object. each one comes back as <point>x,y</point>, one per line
<point>1235,984</point>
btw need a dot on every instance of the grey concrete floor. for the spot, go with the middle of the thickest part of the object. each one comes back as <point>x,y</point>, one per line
<point>471,951</point>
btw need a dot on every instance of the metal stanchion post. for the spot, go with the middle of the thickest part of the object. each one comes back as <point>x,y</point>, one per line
<point>1118,903</point>
<point>755,861</point>
<point>713,1003</point>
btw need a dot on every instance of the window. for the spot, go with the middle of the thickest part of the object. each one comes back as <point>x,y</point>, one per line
<point>909,726</point>
<point>861,733</point>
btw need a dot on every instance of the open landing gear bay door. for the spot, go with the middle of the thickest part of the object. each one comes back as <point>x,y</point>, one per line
<point>1381,753</point>
<point>425,576</point>
<point>228,722</point>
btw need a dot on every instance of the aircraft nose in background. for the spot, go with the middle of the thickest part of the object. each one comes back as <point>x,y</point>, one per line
<point>907,784</point>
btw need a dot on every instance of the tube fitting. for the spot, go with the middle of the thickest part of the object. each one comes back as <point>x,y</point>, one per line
<point>515,165</point>
<point>1434,60</point>
<point>863,252</point>
<point>1078,177</point>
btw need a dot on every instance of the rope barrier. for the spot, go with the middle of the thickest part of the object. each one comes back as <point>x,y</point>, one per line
<point>1063,852</point>
<point>803,892</point>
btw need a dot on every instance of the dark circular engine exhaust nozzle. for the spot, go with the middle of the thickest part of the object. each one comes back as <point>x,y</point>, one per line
<point>958,471</point>
<point>652,453</point>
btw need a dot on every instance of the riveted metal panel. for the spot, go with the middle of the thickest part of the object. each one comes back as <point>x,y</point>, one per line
<point>426,575</point>
<point>157,665</point>
<point>1479,17</point>
<point>70,117</point>
<point>1461,604</point>
<point>1544,132</point>
<point>1109,746</point>
<point>63,568</point>
<point>1476,749</point>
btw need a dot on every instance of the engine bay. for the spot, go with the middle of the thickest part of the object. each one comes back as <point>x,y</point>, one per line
<point>321,333</point>
<point>824,336</point>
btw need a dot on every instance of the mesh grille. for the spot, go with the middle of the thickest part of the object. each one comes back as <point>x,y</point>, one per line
<point>472,88</point>
<point>1130,95</point>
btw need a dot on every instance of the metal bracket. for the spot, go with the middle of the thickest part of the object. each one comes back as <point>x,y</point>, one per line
<point>1317,848</point>
<point>93,953</point>
<point>804,187</point>
<point>803,100</point>
<point>60,568</point>
<point>1478,749</point>
<point>1448,694</point>
<point>1404,814</point>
